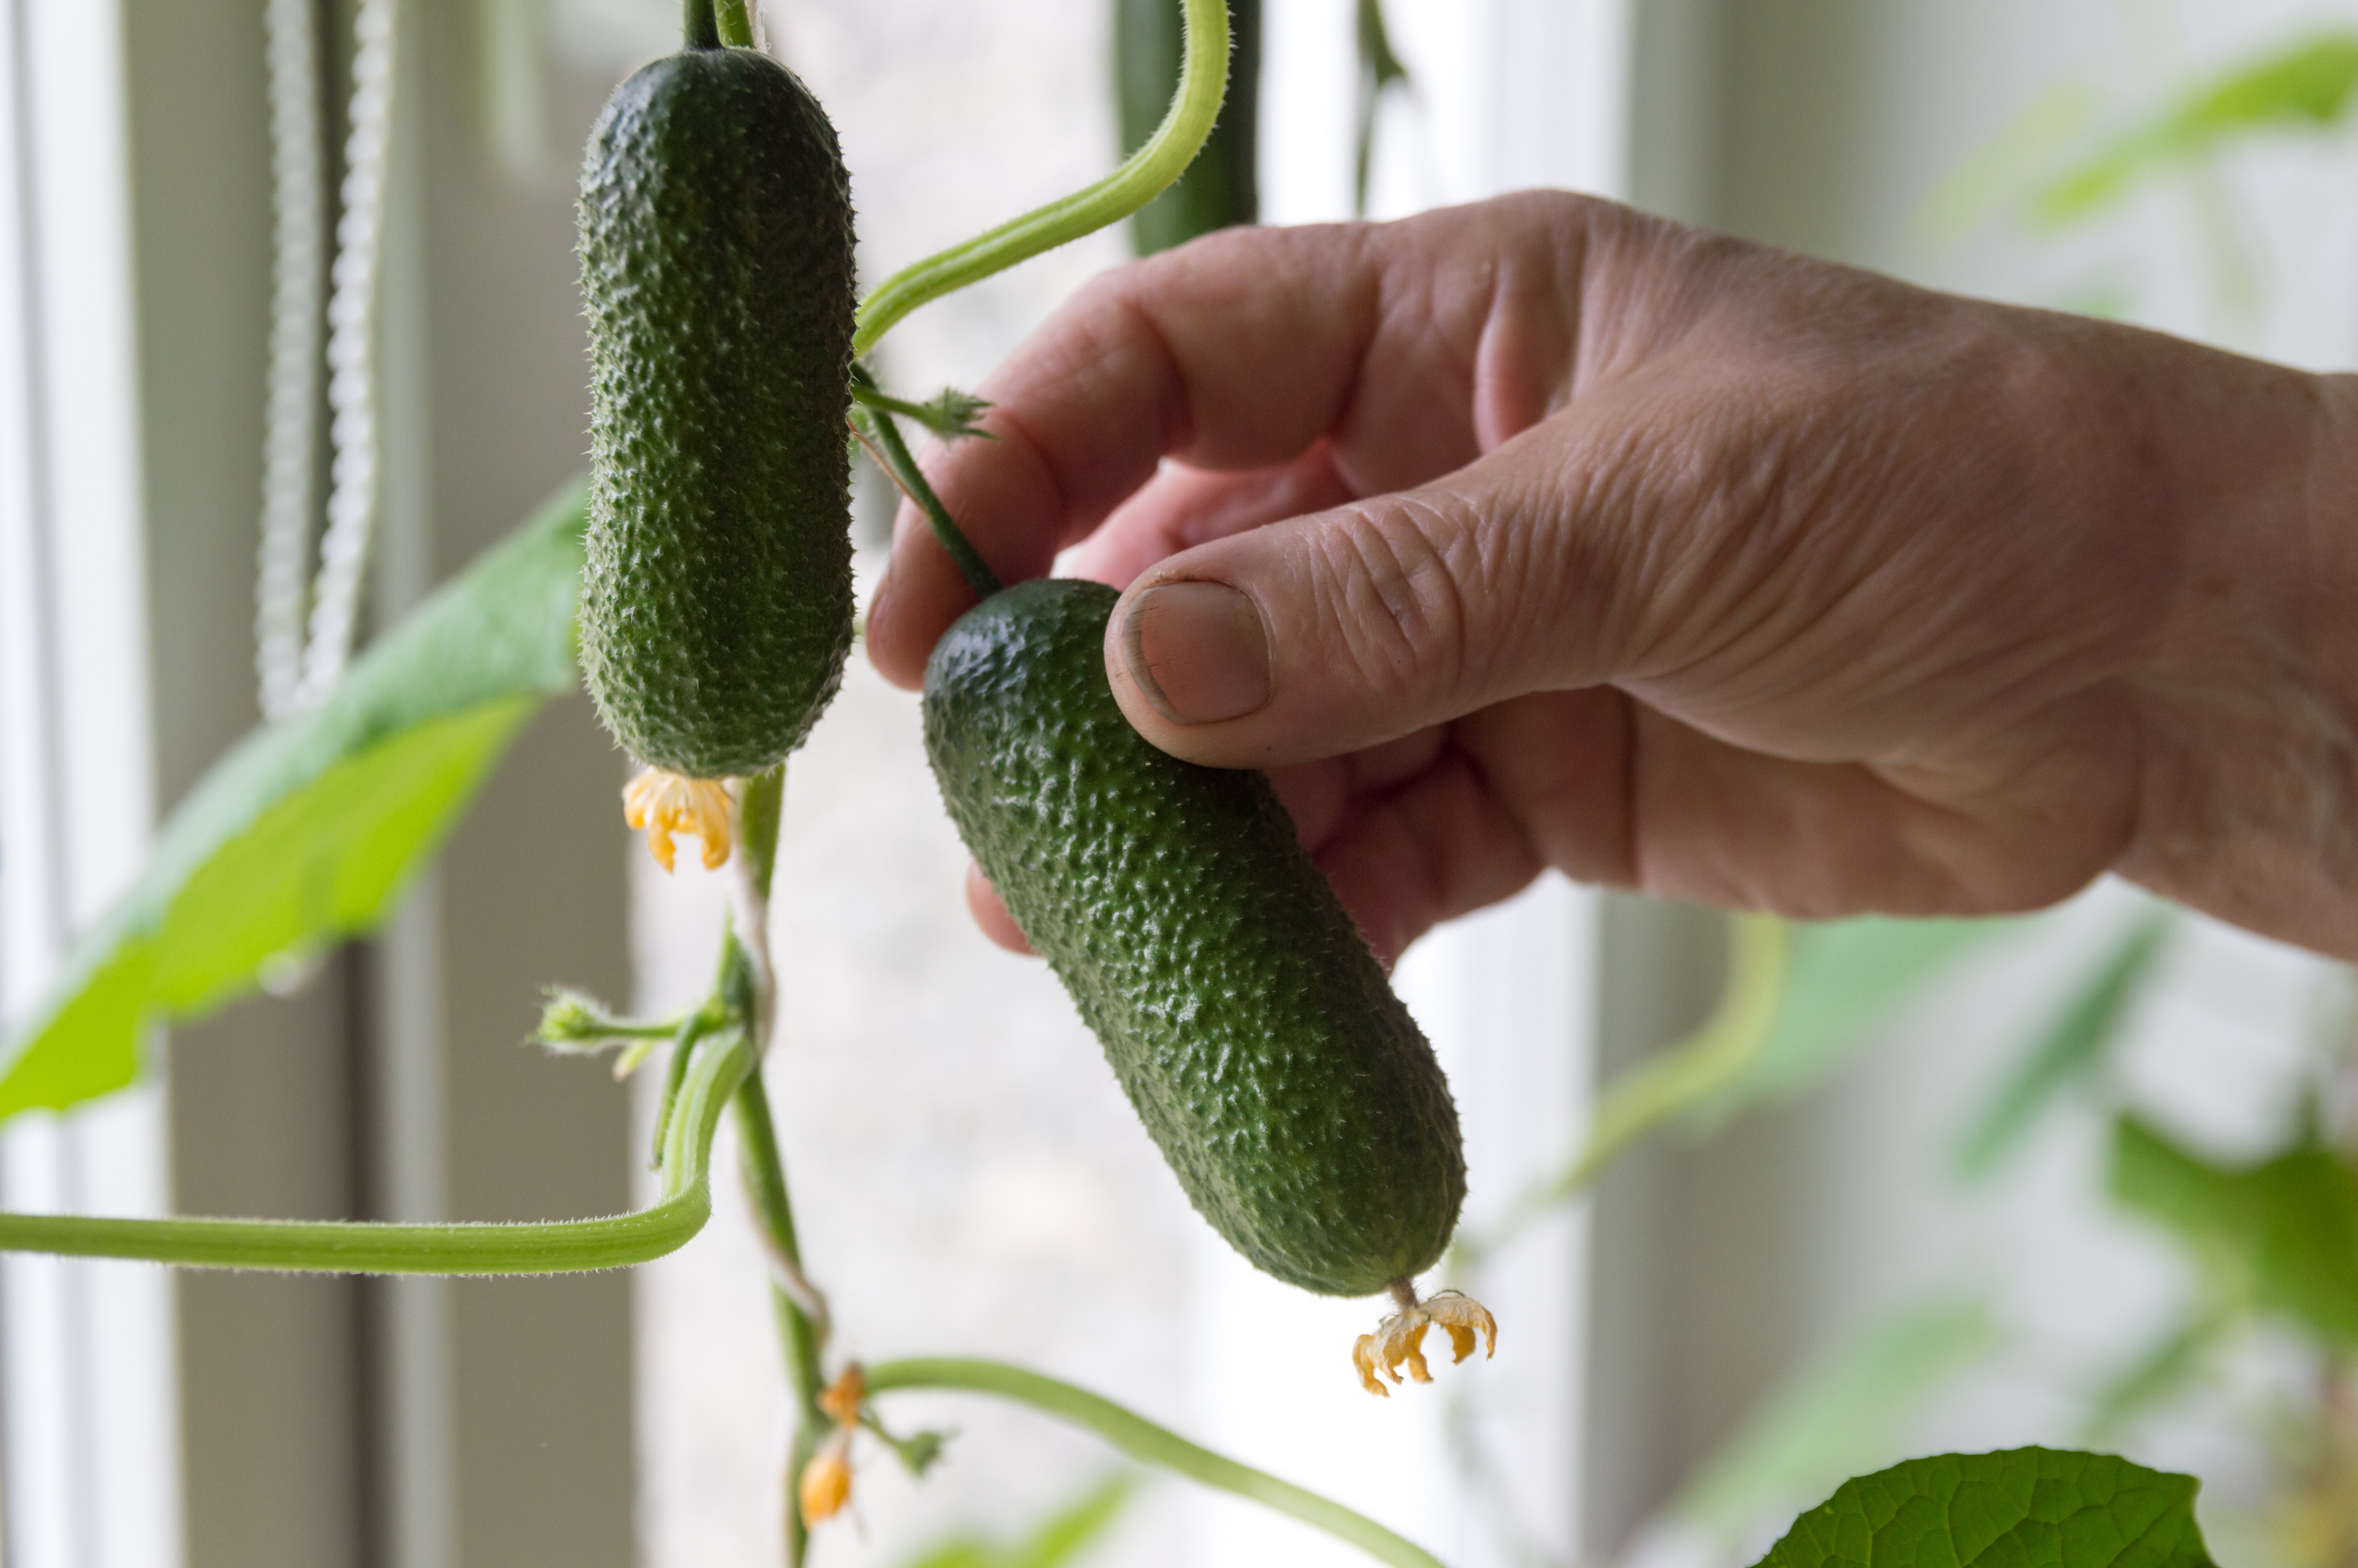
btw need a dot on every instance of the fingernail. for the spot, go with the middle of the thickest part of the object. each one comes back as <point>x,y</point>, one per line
<point>1198,651</point>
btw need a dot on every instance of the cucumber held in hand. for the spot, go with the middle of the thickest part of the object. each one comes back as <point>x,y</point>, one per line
<point>716,259</point>
<point>1243,1012</point>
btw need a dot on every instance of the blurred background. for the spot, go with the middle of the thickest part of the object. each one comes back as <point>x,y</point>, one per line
<point>2079,1180</point>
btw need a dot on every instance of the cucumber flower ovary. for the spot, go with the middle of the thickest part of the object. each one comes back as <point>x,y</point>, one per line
<point>1401,1337</point>
<point>825,1484</point>
<point>662,804</point>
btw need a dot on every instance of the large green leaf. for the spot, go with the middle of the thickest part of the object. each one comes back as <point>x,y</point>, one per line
<point>2067,1051</point>
<point>1841,981</point>
<point>1848,1408</point>
<point>2282,1235</point>
<point>307,830</point>
<point>2023,1507</point>
<point>2310,84</point>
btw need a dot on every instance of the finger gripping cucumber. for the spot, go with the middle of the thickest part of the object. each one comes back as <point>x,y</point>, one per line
<point>715,222</point>
<point>1249,1024</point>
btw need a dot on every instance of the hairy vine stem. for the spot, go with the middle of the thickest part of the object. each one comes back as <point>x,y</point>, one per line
<point>709,23</point>
<point>804,1321</point>
<point>1203,83</point>
<point>333,1247</point>
<point>882,438</point>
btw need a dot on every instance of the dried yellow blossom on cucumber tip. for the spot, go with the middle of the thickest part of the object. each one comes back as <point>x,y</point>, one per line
<point>662,804</point>
<point>1400,1339</point>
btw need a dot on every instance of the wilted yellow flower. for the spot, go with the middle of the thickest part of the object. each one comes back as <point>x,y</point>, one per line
<point>664,804</point>
<point>1399,1338</point>
<point>841,1399</point>
<point>825,1484</point>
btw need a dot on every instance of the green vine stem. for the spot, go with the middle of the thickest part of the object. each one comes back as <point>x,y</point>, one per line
<point>709,23</point>
<point>1203,83</point>
<point>799,1330</point>
<point>1667,1083</point>
<point>365,1248</point>
<point>884,437</point>
<point>800,1311</point>
<point>1152,1444</point>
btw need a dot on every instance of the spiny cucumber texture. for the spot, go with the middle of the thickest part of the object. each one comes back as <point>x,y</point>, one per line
<point>1247,1020</point>
<point>716,244</point>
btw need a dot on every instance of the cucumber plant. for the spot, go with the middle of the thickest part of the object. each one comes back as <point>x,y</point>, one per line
<point>707,565</point>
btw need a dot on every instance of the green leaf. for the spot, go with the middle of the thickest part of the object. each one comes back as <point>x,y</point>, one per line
<point>2024,1507</point>
<point>1844,980</point>
<point>1061,1538</point>
<point>2310,85</point>
<point>1849,1408</point>
<point>2066,1050</point>
<point>2282,1235</point>
<point>308,829</point>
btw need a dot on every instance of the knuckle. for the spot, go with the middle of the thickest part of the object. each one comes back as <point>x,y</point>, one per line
<point>1391,578</point>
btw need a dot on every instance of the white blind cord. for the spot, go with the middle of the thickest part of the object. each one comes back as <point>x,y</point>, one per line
<point>334,597</point>
<point>291,420</point>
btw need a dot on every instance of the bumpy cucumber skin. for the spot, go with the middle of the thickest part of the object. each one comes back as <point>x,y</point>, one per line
<point>716,259</point>
<point>1249,1024</point>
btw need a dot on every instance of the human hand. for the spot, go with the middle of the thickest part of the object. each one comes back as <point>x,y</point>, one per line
<point>1540,533</point>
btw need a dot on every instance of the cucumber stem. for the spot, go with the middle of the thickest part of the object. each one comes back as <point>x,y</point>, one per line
<point>760,811</point>
<point>683,1051</point>
<point>334,1246</point>
<point>709,23</point>
<point>1142,1440</point>
<point>759,808</point>
<point>1203,83</point>
<point>765,1178</point>
<point>882,438</point>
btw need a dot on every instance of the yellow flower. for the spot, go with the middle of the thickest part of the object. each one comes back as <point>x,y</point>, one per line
<point>827,1480</point>
<point>841,1399</point>
<point>826,1483</point>
<point>1399,1338</point>
<point>664,804</point>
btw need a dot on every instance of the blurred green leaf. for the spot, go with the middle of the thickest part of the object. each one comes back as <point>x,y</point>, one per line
<point>1061,1538</point>
<point>2023,1507</point>
<point>2019,155</point>
<point>1844,980</point>
<point>2166,1365</point>
<point>2308,85</point>
<point>2282,1235</point>
<point>1798,1001</point>
<point>1850,1408</point>
<point>2066,1050</point>
<point>307,830</point>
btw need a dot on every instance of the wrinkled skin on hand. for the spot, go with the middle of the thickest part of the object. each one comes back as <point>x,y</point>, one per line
<point>1578,538</point>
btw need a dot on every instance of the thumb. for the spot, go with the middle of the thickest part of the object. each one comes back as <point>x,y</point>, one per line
<point>1340,630</point>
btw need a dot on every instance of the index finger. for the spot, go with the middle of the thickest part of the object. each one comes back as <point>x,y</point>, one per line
<point>1242,351</point>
